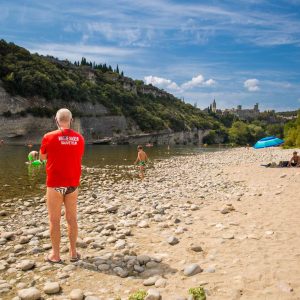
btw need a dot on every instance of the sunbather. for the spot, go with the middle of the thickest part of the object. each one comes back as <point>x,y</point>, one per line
<point>295,160</point>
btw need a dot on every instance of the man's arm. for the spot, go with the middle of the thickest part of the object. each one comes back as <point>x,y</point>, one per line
<point>43,149</point>
<point>43,156</point>
<point>137,159</point>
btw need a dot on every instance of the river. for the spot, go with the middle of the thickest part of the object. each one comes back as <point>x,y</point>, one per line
<point>18,180</point>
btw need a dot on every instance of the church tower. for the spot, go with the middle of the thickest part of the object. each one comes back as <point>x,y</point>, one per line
<point>214,106</point>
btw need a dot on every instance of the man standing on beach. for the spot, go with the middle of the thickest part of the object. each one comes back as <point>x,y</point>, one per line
<point>63,149</point>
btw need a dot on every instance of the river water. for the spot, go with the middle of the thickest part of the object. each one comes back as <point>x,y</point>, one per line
<point>18,180</point>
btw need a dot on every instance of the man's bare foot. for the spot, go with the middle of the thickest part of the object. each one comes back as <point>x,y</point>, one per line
<point>51,259</point>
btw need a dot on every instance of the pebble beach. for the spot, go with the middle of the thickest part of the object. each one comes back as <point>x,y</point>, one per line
<point>218,220</point>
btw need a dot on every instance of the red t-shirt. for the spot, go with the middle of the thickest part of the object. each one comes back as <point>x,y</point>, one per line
<point>64,149</point>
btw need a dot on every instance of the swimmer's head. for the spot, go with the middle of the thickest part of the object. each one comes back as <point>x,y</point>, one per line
<point>295,153</point>
<point>139,147</point>
<point>63,117</point>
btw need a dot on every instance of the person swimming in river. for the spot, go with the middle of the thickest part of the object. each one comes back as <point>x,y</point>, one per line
<point>32,156</point>
<point>34,159</point>
<point>141,160</point>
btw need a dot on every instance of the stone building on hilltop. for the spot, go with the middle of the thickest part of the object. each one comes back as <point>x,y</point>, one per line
<point>243,114</point>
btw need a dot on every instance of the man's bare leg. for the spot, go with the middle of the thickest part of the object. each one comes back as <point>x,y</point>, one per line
<point>54,203</point>
<point>70,202</point>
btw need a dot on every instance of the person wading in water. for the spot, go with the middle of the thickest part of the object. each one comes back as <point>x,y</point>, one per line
<point>141,160</point>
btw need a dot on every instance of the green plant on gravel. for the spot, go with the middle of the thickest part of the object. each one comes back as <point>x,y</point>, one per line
<point>198,293</point>
<point>138,295</point>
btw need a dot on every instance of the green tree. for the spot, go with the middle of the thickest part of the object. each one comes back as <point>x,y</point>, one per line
<point>275,129</point>
<point>292,132</point>
<point>256,132</point>
<point>239,133</point>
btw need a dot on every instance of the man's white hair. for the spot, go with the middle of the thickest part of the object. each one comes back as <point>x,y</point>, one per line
<point>63,115</point>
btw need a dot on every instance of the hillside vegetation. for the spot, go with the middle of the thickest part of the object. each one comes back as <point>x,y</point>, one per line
<point>292,132</point>
<point>152,109</point>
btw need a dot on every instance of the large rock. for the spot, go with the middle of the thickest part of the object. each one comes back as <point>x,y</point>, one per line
<point>29,294</point>
<point>196,248</point>
<point>153,294</point>
<point>76,294</point>
<point>192,269</point>
<point>121,272</point>
<point>143,224</point>
<point>143,259</point>
<point>161,283</point>
<point>150,281</point>
<point>51,288</point>
<point>26,265</point>
<point>8,235</point>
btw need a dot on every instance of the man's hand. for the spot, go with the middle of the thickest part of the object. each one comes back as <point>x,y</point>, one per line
<point>43,156</point>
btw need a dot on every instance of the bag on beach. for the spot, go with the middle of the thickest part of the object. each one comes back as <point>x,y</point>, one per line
<point>283,164</point>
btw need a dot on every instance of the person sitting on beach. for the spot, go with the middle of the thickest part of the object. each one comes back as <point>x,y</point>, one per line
<point>141,160</point>
<point>63,149</point>
<point>32,156</point>
<point>295,160</point>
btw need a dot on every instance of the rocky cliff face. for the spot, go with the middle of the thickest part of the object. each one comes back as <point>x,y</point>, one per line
<point>94,122</point>
<point>18,127</point>
<point>17,104</point>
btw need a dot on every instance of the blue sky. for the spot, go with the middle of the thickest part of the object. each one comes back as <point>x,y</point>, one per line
<point>238,52</point>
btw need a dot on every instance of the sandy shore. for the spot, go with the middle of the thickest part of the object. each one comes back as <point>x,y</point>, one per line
<point>219,220</point>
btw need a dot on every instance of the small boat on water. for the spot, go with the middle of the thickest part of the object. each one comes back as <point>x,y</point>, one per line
<point>149,145</point>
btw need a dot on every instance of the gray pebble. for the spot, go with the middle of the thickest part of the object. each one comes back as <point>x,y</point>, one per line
<point>172,240</point>
<point>150,281</point>
<point>192,269</point>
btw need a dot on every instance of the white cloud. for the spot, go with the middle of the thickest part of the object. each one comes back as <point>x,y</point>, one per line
<point>197,81</point>
<point>252,85</point>
<point>161,82</point>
